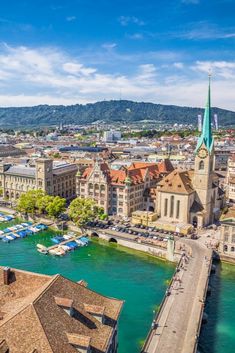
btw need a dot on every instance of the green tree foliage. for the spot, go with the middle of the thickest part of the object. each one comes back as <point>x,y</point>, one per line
<point>43,202</point>
<point>27,202</point>
<point>109,111</point>
<point>82,211</point>
<point>56,206</point>
<point>36,201</point>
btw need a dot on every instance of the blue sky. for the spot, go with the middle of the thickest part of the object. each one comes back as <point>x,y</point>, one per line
<point>79,51</point>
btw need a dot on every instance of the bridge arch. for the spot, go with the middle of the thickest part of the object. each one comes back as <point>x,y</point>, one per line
<point>113,240</point>
<point>95,235</point>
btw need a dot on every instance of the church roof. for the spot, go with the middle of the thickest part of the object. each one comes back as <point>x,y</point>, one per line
<point>206,135</point>
<point>177,182</point>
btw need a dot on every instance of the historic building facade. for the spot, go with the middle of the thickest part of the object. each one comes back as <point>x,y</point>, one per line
<point>227,234</point>
<point>230,179</point>
<point>58,179</point>
<point>121,192</point>
<point>193,196</point>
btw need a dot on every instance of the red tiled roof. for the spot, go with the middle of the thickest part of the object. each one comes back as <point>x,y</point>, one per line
<point>136,171</point>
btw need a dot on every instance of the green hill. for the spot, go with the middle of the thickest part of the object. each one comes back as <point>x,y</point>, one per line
<point>109,111</point>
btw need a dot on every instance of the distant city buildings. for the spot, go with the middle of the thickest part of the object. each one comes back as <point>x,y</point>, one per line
<point>112,136</point>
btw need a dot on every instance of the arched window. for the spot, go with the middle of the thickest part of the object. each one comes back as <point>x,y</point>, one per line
<point>178,209</point>
<point>172,206</point>
<point>201,165</point>
<point>232,248</point>
<point>225,248</point>
<point>165,207</point>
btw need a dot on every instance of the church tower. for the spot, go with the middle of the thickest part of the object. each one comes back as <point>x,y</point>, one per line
<point>204,164</point>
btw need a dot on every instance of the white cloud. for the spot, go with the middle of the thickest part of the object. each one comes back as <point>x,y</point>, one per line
<point>178,65</point>
<point>126,20</point>
<point>71,18</point>
<point>30,76</point>
<point>109,46</point>
<point>135,36</point>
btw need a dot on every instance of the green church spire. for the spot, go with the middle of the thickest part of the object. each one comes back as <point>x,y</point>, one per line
<point>206,135</point>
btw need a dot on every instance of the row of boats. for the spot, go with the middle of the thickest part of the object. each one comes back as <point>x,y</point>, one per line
<point>64,244</point>
<point>6,218</point>
<point>21,230</point>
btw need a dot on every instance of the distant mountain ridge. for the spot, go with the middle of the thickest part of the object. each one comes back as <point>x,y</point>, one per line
<point>108,111</point>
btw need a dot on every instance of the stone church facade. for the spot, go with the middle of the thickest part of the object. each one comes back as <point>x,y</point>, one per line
<point>193,196</point>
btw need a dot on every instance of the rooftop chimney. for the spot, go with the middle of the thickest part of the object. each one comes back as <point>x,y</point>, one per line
<point>6,275</point>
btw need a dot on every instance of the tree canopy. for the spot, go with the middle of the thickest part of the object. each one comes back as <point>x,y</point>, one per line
<point>82,211</point>
<point>36,201</point>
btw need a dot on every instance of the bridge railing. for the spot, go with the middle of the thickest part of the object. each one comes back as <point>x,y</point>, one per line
<point>202,308</point>
<point>160,311</point>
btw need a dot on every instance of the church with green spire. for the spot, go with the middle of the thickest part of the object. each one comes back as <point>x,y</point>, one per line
<point>193,196</point>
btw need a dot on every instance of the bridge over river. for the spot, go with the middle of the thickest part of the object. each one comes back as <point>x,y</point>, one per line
<point>177,324</point>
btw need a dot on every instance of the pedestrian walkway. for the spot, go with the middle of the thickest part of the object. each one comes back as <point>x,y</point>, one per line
<point>178,323</point>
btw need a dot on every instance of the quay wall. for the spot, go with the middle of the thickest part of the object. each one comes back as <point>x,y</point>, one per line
<point>160,252</point>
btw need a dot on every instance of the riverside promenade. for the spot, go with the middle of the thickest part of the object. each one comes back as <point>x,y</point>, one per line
<point>177,325</point>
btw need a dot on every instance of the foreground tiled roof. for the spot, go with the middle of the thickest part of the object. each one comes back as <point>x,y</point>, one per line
<point>34,318</point>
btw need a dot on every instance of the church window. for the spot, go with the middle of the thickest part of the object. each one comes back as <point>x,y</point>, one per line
<point>178,209</point>
<point>165,207</point>
<point>172,206</point>
<point>201,165</point>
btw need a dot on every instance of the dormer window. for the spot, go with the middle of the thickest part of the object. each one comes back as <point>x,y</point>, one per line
<point>66,304</point>
<point>96,311</point>
<point>80,342</point>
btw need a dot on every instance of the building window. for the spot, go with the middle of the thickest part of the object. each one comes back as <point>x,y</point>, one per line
<point>225,248</point>
<point>178,209</point>
<point>165,207</point>
<point>226,236</point>
<point>232,248</point>
<point>201,165</point>
<point>172,206</point>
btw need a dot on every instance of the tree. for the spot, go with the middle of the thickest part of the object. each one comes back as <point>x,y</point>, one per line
<point>1,192</point>
<point>56,206</point>
<point>43,202</point>
<point>27,202</point>
<point>82,211</point>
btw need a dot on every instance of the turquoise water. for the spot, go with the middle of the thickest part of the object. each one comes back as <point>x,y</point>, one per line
<point>218,335</point>
<point>138,279</point>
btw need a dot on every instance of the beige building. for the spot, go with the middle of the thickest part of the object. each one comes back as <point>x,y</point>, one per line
<point>52,314</point>
<point>193,196</point>
<point>121,192</point>
<point>230,180</point>
<point>58,179</point>
<point>227,234</point>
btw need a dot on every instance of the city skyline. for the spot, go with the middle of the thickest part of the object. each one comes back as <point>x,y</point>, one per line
<point>81,52</point>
